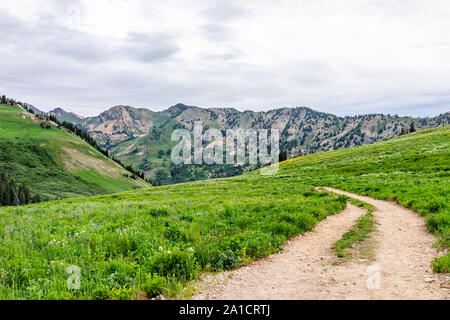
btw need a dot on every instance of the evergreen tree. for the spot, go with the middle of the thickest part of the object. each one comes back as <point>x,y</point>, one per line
<point>6,198</point>
<point>37,198</point>
<point>412,128</point>
<point>13,194</point>
<point>402,132</point>
<point>27,195</point>
<point>24,195</point>
<point>282,156</point>
<point>3,99</point>
<point>21,194</point>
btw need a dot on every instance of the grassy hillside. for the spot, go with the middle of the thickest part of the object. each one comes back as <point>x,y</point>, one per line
<point>155,240</point>
<point>413,170</point>
<point>54,162</point>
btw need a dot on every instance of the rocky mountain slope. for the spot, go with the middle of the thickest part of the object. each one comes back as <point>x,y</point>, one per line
<point>142,137</point>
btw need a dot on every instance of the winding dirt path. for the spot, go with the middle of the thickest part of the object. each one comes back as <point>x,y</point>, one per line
<point>305,269</point>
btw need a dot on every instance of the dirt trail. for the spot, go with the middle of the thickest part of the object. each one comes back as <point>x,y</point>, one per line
<point>305,268</point>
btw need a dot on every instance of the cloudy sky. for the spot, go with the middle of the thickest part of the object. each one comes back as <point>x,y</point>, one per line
<point>343,57</point>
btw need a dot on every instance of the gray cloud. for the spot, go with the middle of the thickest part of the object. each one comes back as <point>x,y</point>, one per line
<point>50,38</point>
<point>149,47</point>
<point>223,11</point>
<point>364,58</point>
<point>216,32</point>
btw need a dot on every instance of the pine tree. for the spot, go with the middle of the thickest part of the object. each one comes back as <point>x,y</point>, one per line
<point>37,198</point>
<point>24,194</point>
<point>282,156</point>
<point>412,128</point>
<point>21,194</point>
<point>13,194</point>
<point>27,195</point>
<point>6,197</point>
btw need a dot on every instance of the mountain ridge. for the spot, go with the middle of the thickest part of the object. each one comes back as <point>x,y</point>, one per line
<point>141,137</point>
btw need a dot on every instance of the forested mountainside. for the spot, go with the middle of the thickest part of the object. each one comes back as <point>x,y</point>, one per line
<point>141,137</point>
<point>40,160</point>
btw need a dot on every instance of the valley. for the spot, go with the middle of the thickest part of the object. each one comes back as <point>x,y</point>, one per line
<point>157,241</point>
<point>142,137</point>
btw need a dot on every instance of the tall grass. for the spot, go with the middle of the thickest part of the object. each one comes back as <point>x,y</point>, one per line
<point>144,242</point>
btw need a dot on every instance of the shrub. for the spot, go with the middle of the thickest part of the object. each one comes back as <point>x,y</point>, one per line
<point>224,260</point>
<point>153,285</point>
<point>438,222</point>
<point>343,199</point>
<point>441,264</point>
<point>258,244</point>
<point>101,293</point>
<point>122,293</point>
<point>434,205</point>
<point>302,221</point>
<point>175,263</point>
<point>172,233</point>
<point>283,228</point>
<point>158,212</point>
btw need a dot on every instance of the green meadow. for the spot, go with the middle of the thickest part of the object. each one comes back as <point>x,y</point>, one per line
<point>146,242</point>
<point>53,162</point>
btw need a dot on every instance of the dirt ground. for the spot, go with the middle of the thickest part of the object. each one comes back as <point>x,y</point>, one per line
<point>398,268</point>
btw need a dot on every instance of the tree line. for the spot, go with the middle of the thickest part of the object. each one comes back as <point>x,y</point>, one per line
<point>135,172</point>
<point>10,195</point>
<point>411,129</point>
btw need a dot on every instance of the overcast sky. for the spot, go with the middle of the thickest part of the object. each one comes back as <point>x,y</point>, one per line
<point>343,57</point>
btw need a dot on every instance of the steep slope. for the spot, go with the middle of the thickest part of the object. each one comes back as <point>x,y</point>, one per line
<point>33,108</point>
<point>54,162</point>
<point>142,138</point>
<point>145,242</point>
<point>67,116</point>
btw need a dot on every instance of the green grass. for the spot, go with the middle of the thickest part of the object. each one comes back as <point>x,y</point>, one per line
<point>38,157</point>
<point>360,231</point>
<point>370,208</point>
<point>441,265</point>
<point>413,170</point>
<point>121,240</point>
<point>124,243</point>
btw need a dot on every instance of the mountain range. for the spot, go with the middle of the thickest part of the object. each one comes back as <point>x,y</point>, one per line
<point>142,138</point>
